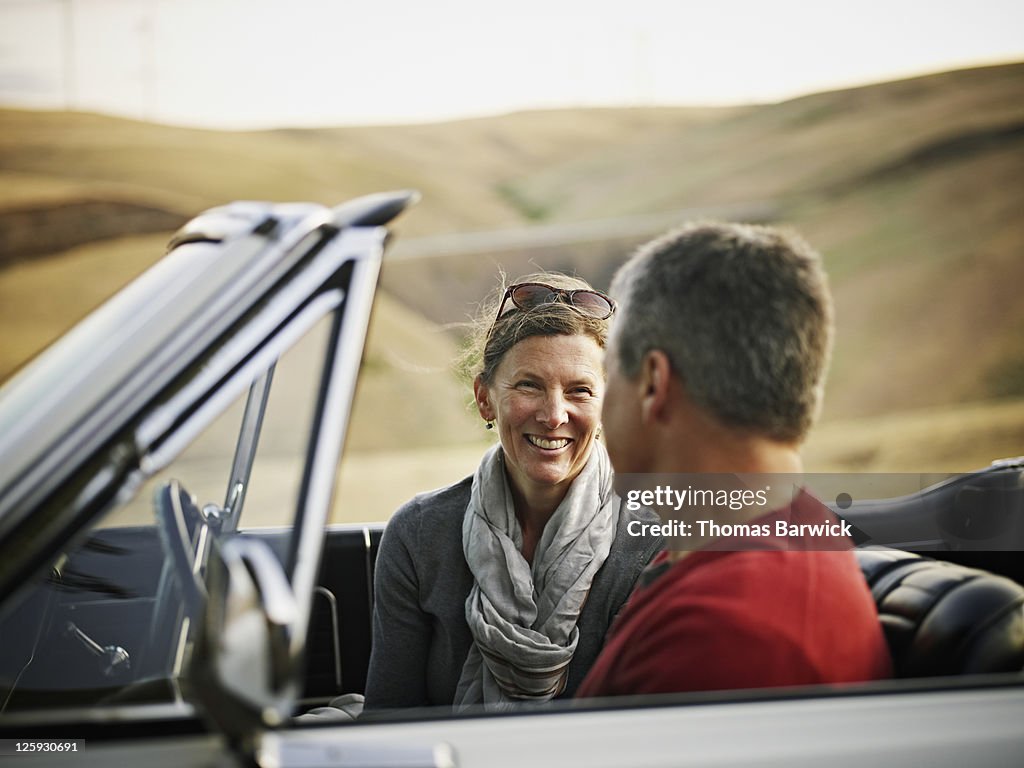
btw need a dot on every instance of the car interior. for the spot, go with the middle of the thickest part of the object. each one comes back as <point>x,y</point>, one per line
<point>98,629</point>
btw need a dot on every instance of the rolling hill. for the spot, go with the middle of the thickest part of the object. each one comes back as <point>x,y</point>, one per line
<point>911,189</point>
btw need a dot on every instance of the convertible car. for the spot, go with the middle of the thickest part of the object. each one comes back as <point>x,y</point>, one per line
<point>151,615</point>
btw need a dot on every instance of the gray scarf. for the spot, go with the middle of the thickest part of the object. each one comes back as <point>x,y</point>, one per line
<point>523,618</point>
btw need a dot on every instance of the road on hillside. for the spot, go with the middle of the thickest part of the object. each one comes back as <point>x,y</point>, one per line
<point>553,235</point>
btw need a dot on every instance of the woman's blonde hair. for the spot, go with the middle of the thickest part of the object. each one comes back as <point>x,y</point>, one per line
<point>490,339</point>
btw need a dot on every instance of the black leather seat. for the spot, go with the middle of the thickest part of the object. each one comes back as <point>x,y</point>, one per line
<point>944,619</point>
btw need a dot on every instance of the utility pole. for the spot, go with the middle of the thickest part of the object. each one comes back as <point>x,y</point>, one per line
<point>70,96</point>
<point>148,69</point>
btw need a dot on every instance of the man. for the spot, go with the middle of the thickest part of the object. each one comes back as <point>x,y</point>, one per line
<point>716,363</point>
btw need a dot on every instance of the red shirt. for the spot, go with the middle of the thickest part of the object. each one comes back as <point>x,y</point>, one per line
<point>744,619</point>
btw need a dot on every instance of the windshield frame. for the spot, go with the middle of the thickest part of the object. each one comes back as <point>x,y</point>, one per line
<point>331,270</point>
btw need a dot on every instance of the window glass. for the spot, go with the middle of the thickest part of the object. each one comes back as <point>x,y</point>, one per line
<point>413,424</point>
<point>107,620</point>
<point>277,470</point>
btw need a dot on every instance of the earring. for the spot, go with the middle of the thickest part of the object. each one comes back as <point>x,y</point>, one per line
<point>489,425</point>
<point>599,433</point>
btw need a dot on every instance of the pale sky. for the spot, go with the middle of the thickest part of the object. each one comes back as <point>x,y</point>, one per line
<point>263,63</point>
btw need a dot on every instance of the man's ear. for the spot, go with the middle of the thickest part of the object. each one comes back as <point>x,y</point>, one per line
<point>656,383</point>
<point>482,396</point>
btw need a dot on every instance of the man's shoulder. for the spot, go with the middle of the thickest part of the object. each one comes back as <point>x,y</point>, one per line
<point>704,592</point>
<point>727,580</point>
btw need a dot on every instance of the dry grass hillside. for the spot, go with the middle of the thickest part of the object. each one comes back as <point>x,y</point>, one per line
<point>812,145</point>
<point>911,189</point>
<point>52,162</point>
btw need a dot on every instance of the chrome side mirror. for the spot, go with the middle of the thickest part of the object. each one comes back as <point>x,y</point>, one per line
<point>244,667</point>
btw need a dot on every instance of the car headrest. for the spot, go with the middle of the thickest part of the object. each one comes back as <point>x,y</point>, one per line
<point>944,619</point>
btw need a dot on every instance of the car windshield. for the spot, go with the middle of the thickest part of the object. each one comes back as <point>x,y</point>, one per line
<point>107,623</point>
<point>115,601</point>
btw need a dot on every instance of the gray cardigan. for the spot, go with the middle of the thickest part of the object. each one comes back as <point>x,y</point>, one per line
<point>420,635</point>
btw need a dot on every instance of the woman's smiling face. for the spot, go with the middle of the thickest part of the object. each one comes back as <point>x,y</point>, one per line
<point>545,397</point>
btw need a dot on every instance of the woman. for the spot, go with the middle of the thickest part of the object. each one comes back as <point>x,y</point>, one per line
<point>501,588</point>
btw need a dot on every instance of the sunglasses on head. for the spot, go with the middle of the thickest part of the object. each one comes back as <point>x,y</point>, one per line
<point>587,302</point>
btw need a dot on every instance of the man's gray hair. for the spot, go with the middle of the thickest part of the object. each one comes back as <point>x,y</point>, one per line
<point>744,315</point>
